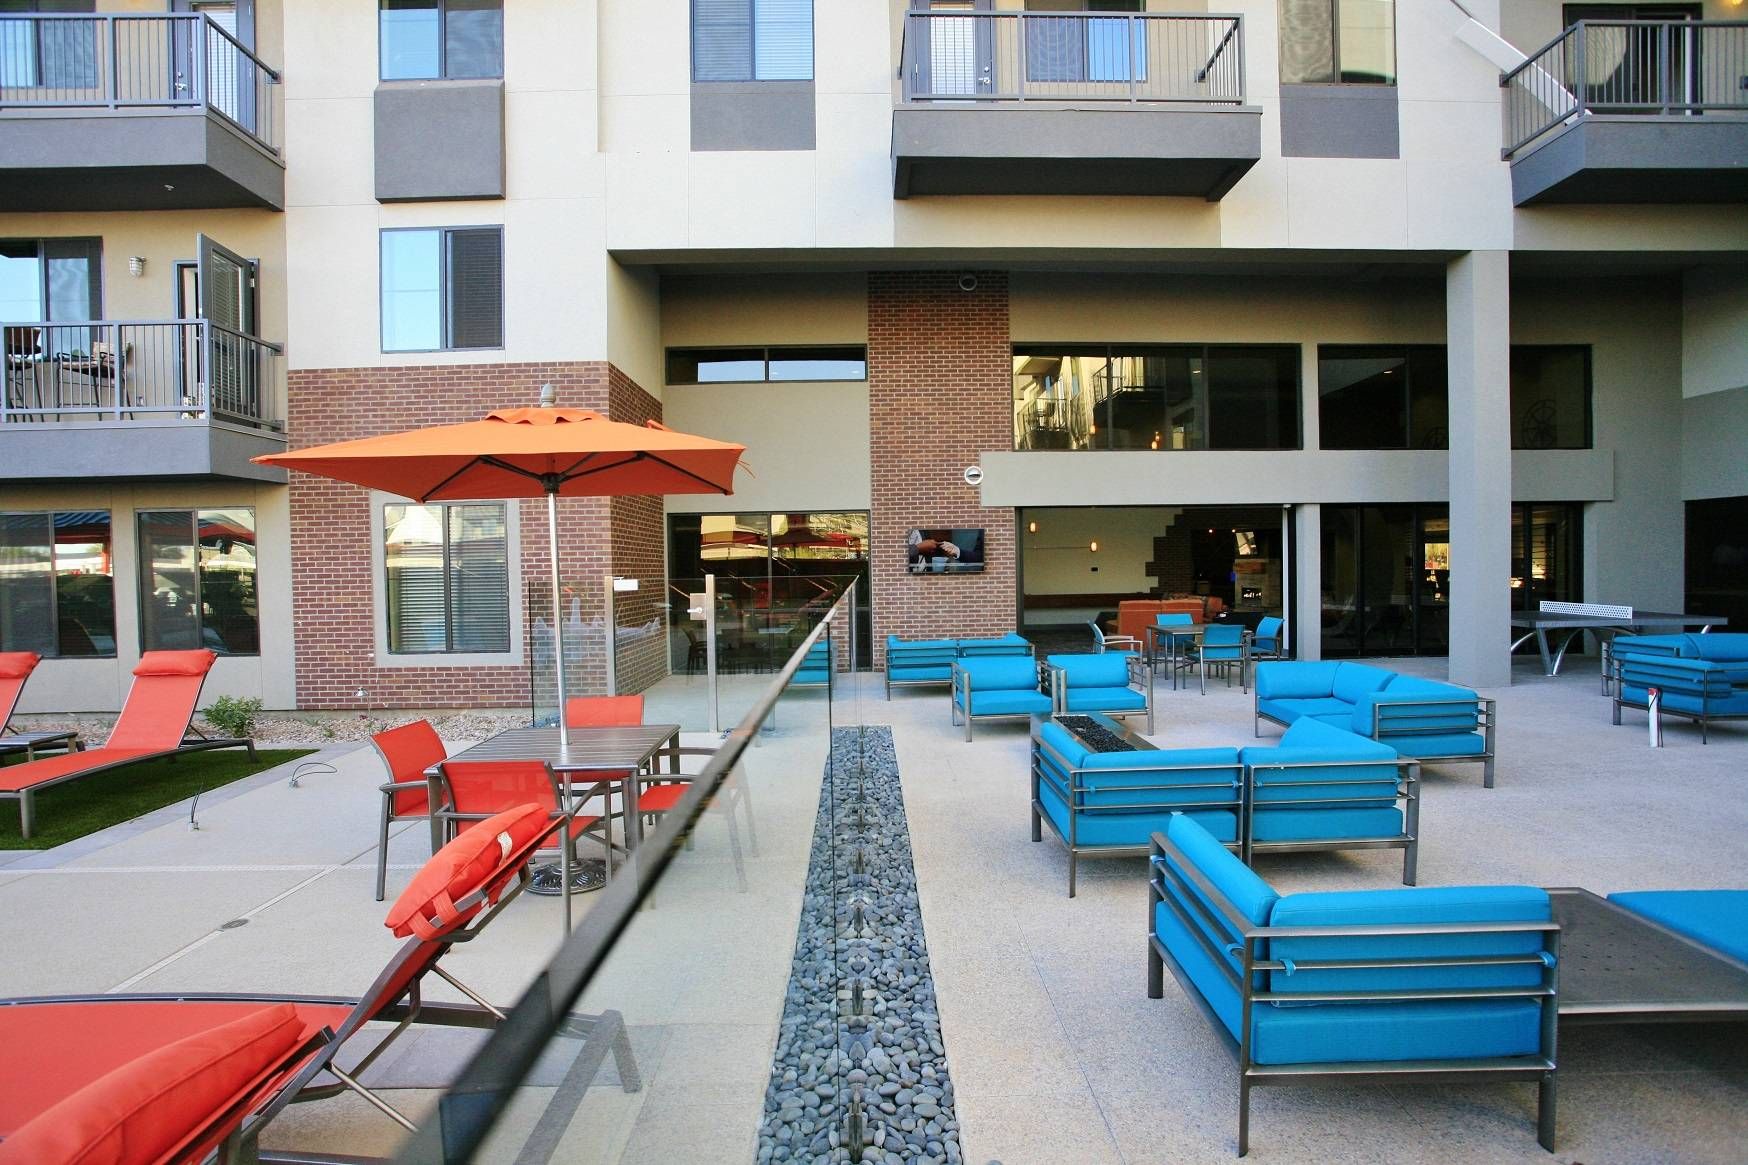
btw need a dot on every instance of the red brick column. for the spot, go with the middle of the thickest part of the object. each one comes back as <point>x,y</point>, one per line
<point>940,388</point>
<point>333,528</point>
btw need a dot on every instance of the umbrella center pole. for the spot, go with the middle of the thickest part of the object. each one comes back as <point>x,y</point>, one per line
<point>551,481</point>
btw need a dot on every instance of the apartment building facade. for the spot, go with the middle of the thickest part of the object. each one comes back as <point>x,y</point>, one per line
<point>1381,316</point>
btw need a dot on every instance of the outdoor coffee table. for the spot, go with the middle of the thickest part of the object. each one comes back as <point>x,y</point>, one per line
<point>1620,967</point>
<point>630,752</point>
<point>33,743</point>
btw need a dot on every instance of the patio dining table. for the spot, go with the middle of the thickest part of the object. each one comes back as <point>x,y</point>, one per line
<point>1168,639</point>
<point>630,753</point>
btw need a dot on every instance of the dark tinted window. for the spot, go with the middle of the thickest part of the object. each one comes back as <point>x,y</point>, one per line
<point>1382,397</point>
<point>1550,397</point>
<point>729,365</point>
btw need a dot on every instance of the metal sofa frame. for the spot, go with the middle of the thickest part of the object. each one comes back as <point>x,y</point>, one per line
<point>1487,718</point>
<point>978,651</point>
<point>1197,890</point>
<point>1407,791</point>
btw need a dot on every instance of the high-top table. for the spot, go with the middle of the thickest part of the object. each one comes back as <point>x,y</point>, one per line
<point>1169,637</point>
<point>630,752</point>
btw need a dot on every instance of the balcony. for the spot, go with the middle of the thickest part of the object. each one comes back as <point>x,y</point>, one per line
<point>1625,111</point>
<point>134,112</point>
<point>107,399</point>
<point>1066,103</point>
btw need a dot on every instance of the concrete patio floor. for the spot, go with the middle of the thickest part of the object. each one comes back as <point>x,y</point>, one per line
<point>1055,1052</point>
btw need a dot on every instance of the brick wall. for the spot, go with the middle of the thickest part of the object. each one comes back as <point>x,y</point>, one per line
<point>940,387</point>
<point>638,535</point>
<point>333,529</point>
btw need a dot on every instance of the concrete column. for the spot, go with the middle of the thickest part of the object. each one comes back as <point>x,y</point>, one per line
<point>1308,581</point>
<point>1478,335</point>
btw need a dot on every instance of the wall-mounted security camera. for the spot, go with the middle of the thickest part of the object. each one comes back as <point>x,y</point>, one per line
<point>968,282</point>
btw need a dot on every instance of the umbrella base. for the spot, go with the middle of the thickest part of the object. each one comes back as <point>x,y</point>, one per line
<point>585,876</point>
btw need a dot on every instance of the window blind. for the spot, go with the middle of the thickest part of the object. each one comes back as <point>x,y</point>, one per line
<point>476,288</point>
<point>722,40</point>
<point>479,579</point>
<point>413,555</point>
<point>783,40</point>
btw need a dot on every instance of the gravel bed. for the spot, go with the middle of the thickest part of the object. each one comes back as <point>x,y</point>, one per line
<point>307,729</point>
<point>876,1077</point>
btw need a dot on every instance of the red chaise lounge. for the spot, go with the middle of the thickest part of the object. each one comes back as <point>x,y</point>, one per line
<point>15,668</point>
<point>155,721</point>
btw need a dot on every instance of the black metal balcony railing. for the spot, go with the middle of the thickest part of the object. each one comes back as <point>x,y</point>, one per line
<point>126,61</point>
<point>134,370</point>
<point>1682,68</point>
<point>1066,56</point>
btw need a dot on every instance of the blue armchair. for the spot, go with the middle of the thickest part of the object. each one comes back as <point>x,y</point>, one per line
<point>1451,981</point>
<point>1225,646</point>
<point>1696,689</point>
<point>1002,688</point>
<point>1116,683</point>
<point>1267,641</point>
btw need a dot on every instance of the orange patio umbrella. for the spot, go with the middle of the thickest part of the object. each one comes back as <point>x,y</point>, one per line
<point>528,453</point>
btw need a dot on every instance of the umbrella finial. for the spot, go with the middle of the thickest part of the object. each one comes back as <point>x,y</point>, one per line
<point>548,396</point>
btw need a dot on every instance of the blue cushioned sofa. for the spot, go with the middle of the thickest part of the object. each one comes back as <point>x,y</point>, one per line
<point>815,670</point>
<point>1109,803</point>
<point>1715,919</point>
<point>930,661</point>
<point>1117,683</point>
<point>1433,722</point>
<point>1701,677</point>
<point>996,688</point>
<point>1325,788</point>
<point>1448,981</point>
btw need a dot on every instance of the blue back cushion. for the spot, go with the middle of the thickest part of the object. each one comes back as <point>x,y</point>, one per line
<point>1312,742</point>
<point>1296,679</point>
<point>1223,635</point>
<point>1110,670</point>
<point>1413,704</point>
<point>1720,646</point>
<point>1268,629</point>
<point>1353,680</point>
<point>1443,904</point>
<point>1174,619</point>
<point>1001,673</point>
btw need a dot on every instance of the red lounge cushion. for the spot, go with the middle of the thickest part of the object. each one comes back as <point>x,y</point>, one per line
<point>427,906</point>
<point>175,663</point>
<point>15,665</point>
<point>150,1107</point>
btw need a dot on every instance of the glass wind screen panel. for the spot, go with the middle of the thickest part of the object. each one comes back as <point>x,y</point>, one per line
<point>479,579</point>
<point>27,583</point>
<point>84,584</point>
<point>1362,399</point>
<point>1550,398</point>
<point>412,308</point>
<point>783,40</point>
<point>476,289</point>
<point>169,581</point>
<point>716,365</point>
<point>410,34</point>
<point>722,40</point>
<point>817,364</point>
<point>1253,397</point>
<point>1307,42</point>
<point>413,558</point>
<point>473,38</point>
<point>1367,48</point>
<point>230,615</point>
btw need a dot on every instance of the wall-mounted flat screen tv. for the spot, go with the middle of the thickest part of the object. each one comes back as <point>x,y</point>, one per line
<point>941,550</point>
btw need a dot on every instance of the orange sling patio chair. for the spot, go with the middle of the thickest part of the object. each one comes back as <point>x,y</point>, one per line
<point>620,712</point>
<point>174,1078</point>
<point>408,751</point>
<point>15,668</point>
<point>155,722</point>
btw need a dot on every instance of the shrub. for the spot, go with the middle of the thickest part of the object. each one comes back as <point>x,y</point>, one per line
<point>234,716</point>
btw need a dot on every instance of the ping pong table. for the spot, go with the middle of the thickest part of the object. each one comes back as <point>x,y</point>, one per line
<point>1577,618</point>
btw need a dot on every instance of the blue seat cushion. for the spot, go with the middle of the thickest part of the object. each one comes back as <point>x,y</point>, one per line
<point>1353,680</point>
<point>1318,823</point>
<point>1296,679</point>
<point>1712,918</point>
<point>1001,672</point>
<point>1130,827</point>
<point>940,672</point>
<point>1422,905</point>
<point>1006,702</point>
<point>1732,703</point>
<point>1290,709</point>
<point>1370,1032</point>
<point>1105,700</point>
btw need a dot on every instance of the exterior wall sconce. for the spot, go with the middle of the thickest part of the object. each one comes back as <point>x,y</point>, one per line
<point>1031,527</point>
<point>136,265</point>
<point>1094,546</point>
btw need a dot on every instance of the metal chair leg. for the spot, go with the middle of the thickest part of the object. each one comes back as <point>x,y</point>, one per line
<point>382,849</point>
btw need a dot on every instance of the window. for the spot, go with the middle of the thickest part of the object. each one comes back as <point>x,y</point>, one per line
<point>197,581</point>
<point>1383,398</point>
<point>50,279</point>
<point>1550,397</point>
<point>52,54</point>
<point>752,40</point>
<point>1087,48</point>
<point>442,289</point>
<point>729,365</point>
<point>1165,397</point>
<point>1328,41</point>
<point>423,40</point>
<point>448,572</point>
<point>57,596</point>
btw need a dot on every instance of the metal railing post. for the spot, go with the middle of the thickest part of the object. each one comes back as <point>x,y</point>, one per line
<point>114,62</point>
<point>1129,44</point>
<point>610,627</point>
<point>710,653</point>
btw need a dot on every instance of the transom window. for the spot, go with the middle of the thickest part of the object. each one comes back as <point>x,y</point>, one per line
<point>448,574</point>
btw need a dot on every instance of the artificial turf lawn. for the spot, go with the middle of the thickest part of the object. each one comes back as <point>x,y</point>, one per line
<point>72,810</point>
